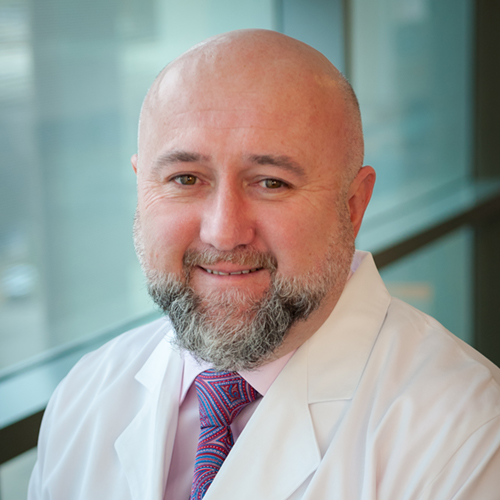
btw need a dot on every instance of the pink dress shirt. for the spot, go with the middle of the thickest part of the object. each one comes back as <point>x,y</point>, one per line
<point>180,476</point>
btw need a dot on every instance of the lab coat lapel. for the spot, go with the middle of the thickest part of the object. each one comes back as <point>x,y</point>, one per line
<point>277,450</point>
<point>145,447</point>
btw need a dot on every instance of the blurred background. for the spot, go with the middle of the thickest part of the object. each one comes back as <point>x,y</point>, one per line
<point>73,74</point>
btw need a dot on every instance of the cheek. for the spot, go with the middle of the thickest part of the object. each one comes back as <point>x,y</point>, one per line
<point>298,237</point>
<point>168,230</point>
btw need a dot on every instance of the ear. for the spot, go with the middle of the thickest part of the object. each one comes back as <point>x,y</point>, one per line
<point>359,195</point>
<point>134,160</point>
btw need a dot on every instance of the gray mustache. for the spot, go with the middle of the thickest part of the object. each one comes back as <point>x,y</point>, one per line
<point>243,257</point>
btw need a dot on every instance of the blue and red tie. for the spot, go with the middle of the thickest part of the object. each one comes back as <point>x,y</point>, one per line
<point>221,397</point>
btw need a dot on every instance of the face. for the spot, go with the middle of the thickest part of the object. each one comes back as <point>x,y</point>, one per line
<point>241,192</point>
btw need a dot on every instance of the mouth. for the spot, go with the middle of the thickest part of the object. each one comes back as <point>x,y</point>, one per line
<point>232,273</point>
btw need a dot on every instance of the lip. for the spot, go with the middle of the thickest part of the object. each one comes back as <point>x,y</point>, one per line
<point>227,270</point>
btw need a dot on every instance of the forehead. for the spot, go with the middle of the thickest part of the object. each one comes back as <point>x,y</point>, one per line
<point>255,108</point>
<point>200,85</point>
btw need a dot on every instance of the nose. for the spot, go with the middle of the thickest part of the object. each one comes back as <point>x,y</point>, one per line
<point>226,223</point>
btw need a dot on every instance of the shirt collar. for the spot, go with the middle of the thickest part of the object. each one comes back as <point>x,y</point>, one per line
<point>260,379</point>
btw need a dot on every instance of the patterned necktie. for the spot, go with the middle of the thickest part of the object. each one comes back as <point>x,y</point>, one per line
<point>221,397</point>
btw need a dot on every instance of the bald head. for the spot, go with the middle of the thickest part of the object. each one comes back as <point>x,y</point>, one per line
<point>245,64</point>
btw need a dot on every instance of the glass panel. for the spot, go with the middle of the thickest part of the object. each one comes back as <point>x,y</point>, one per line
<point>411,65</point>
<point>15,476</point>
<point>319,24</point>
<point>72,78</point>
<point>438,280</point>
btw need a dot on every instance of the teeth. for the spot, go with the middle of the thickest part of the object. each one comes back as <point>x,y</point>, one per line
<point>220,273</point>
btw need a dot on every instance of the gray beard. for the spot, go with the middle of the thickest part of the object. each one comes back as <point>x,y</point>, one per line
<point>230,329</point>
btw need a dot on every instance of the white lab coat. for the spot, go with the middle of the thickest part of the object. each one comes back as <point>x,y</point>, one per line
<point>381,403</point>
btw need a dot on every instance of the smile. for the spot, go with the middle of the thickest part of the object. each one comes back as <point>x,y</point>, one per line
<point>244,271</point>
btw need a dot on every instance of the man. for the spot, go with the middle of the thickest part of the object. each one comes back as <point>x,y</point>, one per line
<point>251,191</point>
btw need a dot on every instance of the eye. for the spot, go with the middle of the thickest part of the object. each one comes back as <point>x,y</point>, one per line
<point>186,180</point>
<point>272,184</point>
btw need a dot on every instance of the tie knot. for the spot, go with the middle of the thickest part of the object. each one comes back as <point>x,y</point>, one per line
<point>222,396</point>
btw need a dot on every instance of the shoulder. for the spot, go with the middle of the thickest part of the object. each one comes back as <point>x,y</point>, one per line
<point>428,347</point>
<point>111,367</point>
<point>125,352</point>
<point>431,382</point>
<point>435,394</point>
<point>96,403</point>
<point>132,346</point>
<point>104,389</point>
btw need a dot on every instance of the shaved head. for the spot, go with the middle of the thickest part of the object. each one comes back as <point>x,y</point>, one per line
<point>253,61</point>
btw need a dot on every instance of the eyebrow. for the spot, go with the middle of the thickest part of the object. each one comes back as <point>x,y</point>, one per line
<point>178,156</point>
<point>284,162</point>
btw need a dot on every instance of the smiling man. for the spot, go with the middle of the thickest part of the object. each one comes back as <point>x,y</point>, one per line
<point>282,368</point>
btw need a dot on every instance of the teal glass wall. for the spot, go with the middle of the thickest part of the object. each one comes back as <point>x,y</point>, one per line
<point>412,69</point>
<point>14,476</point>
<point>438,280</point>
<point>411,65</point>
